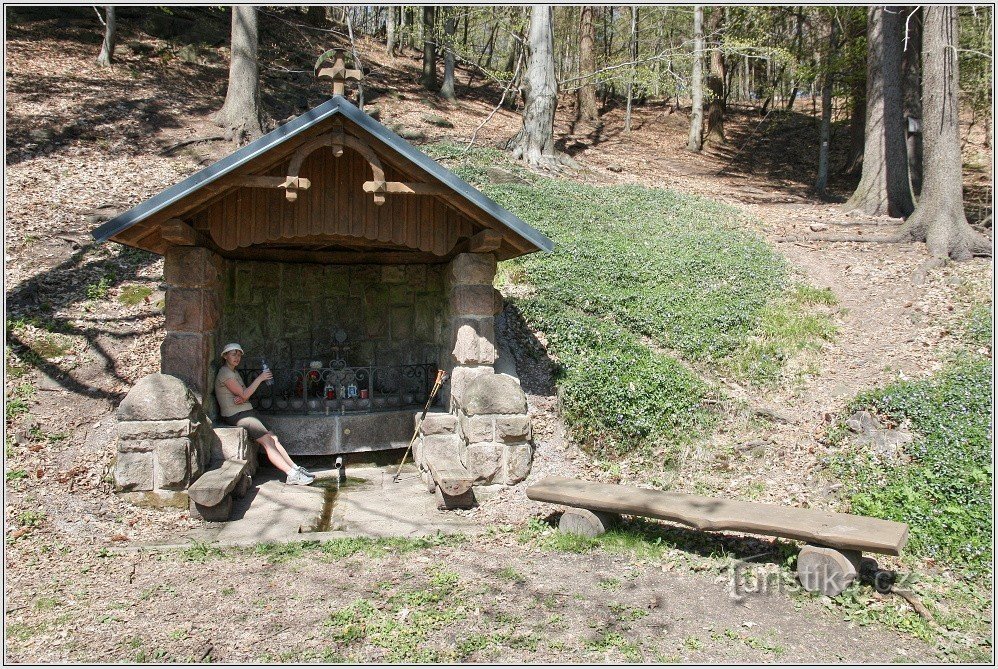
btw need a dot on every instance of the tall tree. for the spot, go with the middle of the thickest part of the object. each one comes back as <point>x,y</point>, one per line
<point>827,81</point>
<point>884,187</point>
<point>695,142</point>
<point>586,110</point>
<point>241,113</point>
<point>429,49</point>
<point>450,25</point>
<point>912,68</point>
<point>535,142</point>
<point>106,56</point>
<point>391,41</point>
<point>634,65</point>
<point>940,220</point>
<point>715,80</point>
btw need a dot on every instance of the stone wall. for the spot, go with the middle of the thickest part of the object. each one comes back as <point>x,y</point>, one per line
<point>165,441</point>
<point>287,313</point>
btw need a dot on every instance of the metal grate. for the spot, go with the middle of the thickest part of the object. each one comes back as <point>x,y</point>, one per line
<point>342,389</point>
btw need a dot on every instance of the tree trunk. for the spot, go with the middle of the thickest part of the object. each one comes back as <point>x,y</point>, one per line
<point>913,96</point>
<point>390,39</point>
<point>586,110</point>
<point>450,26</point>
<point>535,142</point>
<point>884,187</point>
<point>940,220</point>
<point>241,113</point>
<point>827,81</point>
<point>695,142</point>
<point>106,56</point>
<point>429,78</point>
<point>634,58</point>
<point>715,81</point>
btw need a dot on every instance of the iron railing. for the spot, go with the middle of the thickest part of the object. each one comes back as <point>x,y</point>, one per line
<point>340,389</point>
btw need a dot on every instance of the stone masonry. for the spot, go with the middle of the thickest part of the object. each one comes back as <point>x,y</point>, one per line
<point>165,442</point>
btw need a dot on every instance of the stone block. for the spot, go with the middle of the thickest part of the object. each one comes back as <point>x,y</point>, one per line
<point>461,377</point>
<point>393,274</point>
<point>435,278</point>
<point>233,443</point>
<point>400,295</point>
<point>493,394</point>
<point>477,428</point>
<point>133,471</point>
<point>440,448</point>
<point>415,276</point>
<point>516,461</point>
<point>157,499</point>
<point>475,301</point>
<point>172,462</point>
<point>474,341</point>
<point>338,280</point>
<point>512,428</point>
<point>291,281</point>
<point>483,460</point>
<point>153,429</point>
<point>192,310</point>
<point>401,323</point>
<point>243,487</point>
<point>193,267</point>
<point>472,269</point>
<point>243,282</point>
<point>265,275</point>
<point>135,445</point>
<point>438,423</point>
<point>313,281</point>
<point>187,356</point>
<point>157,397</point>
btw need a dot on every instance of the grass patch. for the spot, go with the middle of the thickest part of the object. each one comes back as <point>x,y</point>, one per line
<point>99,290</point>
<point>132,294</point>
<point>640,279</point>
<point>944,491</point>
<point>614,641</point>
<point>979,329</point>
<point>201,552</point>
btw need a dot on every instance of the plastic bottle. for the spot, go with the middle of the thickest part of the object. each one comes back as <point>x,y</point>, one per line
<point>270,382</point>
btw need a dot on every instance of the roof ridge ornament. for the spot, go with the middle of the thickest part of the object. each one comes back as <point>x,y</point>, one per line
<point>337,72</point>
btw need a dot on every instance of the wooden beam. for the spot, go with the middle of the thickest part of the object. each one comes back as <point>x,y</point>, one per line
<point>256,181</point>
<point>177,232</point>
<point>372,257</point>
<point>485,241</point>
<point>404,188</point>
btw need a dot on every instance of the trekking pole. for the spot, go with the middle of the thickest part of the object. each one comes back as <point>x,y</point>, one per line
<point>439,381</point>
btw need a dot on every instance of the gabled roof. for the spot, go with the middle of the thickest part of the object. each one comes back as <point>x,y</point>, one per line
<point>337,105</point>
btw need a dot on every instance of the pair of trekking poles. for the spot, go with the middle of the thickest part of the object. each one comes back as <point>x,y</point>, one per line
<point>439,381</point>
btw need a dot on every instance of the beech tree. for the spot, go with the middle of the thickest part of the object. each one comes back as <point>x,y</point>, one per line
<point>884,187</point>
<point>429,49</point>
<point>695,142</point>
<point>535,142</point>
<point>391,41</point>
<point>940,220</point>
<point>450,25</point>
<point>106,56</point>
<point>586,110</point>
<point>241,113</point>
<point>715,80</point>
<point>827,81</point>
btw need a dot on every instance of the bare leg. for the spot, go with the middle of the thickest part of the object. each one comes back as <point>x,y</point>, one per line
<point>280,449</point>
<point>275,453</point>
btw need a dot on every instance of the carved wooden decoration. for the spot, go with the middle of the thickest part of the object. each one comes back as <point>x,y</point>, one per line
<point>338,72</point>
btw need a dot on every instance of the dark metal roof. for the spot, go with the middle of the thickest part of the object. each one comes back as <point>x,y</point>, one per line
<point>335,105</point>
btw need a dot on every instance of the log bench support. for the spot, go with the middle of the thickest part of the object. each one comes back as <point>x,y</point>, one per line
<point>211,495</point>
<point>829,562</point>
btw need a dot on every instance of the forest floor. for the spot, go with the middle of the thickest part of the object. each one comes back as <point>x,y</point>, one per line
<point>79,137</point>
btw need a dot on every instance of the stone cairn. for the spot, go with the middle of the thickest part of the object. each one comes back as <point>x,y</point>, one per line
<point>485,437</point>
<point>165,442</point>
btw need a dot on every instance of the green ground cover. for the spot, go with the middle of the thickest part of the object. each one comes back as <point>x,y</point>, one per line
<point>647,293</point>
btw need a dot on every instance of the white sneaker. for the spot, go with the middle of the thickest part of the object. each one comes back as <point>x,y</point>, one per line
<point>296,477</point>
<point>305,471</point>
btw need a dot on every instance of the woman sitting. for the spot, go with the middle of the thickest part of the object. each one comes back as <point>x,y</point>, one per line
<point>235,409</point>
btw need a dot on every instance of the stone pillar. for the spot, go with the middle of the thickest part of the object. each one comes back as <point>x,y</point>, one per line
<point>165,442</point>
<point>473,304</point>
<point>194,278</point>
<point>496,430</point>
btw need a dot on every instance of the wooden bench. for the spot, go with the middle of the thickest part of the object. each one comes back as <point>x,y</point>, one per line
<point>828,563</point>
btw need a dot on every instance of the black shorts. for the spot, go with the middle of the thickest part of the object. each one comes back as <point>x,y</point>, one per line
<point>250,421</point>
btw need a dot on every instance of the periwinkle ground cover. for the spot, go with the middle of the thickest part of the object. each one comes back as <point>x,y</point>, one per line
<point>644,286</point>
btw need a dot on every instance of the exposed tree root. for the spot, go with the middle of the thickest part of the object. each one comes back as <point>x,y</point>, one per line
<point>196,140</point>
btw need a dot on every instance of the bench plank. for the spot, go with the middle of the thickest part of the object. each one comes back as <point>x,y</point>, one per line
<point>838,530</point>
